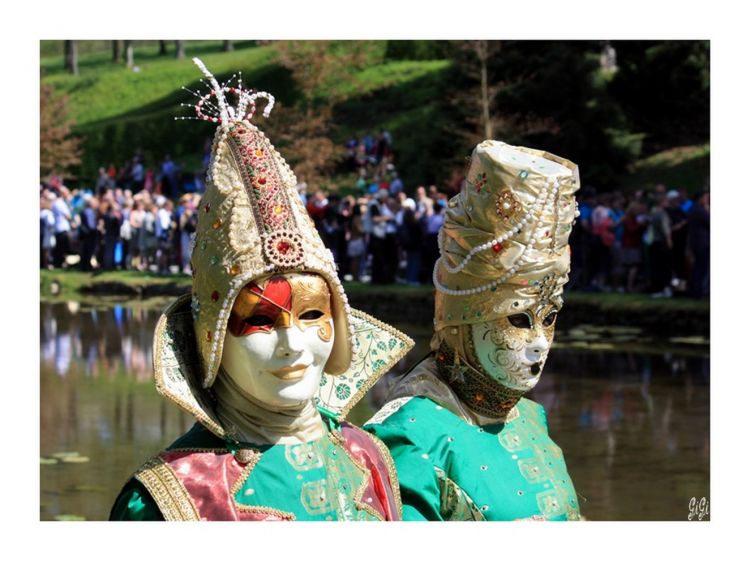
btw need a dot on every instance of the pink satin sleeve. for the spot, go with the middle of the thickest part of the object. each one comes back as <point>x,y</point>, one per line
<point>379,493</point>
<point>213,498</point>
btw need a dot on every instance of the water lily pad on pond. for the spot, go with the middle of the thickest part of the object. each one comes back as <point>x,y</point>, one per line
<point>623,338</point>
<point>75,459</point>
<point>624,330</point>
<point>69,518</point>
<point>700,340</point>
<point>48,461</point>
<point>61,455</point>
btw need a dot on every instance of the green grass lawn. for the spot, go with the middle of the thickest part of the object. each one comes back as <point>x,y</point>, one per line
<point>680,167</point>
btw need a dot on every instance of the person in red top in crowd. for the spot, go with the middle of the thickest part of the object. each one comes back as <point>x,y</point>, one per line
<point>316,208</point>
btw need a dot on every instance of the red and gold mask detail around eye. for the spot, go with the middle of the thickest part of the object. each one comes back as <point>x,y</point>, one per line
<point>280,301</point>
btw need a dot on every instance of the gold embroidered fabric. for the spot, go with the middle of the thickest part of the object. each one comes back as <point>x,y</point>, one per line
<point>455,503</point>
<point>167,490</point>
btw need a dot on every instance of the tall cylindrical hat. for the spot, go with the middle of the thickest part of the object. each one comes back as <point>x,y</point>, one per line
<point>504,243</point>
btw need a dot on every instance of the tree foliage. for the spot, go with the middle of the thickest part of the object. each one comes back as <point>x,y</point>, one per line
<point>323,73</point>
<point>664,89</point>
<point>58,150</point>
<point>552,95</point>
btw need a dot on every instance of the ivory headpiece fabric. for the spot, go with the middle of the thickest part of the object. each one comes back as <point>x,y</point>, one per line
<point>504,242</point>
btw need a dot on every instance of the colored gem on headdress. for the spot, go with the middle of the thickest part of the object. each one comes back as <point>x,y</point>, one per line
<point>480,181</point>
<point>217,223</point>
<point>215,296</point>
<point>234,270</point>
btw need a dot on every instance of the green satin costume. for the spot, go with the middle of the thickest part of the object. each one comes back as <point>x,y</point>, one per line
<point>451,469</point>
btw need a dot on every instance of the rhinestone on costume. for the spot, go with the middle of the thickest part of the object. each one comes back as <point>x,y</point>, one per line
<point>234,270</point>
<point>217,224</point>
<point>215,296</point>
<point>208,335</point>
<point>207,207</point>
<point>284,248</point>
<point>497,248</point>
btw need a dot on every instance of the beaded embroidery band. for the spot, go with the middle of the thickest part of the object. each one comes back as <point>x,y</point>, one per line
<point>544,204</point>
<point>482,394</point>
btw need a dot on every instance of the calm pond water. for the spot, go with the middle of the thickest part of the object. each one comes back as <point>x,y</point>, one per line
<point>631,413</point>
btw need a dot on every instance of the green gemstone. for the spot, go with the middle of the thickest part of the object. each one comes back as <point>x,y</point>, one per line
<point>214,260</point>
<point>523,174</point>
<point>203,245</point>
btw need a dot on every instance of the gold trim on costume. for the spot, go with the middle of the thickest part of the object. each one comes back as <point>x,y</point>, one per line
<point>172,384</point>
<point>455,503</point>
<point>386,346</point>
<point>285,515</point>
<point>165,487</point>
<point>392,475</point>
<point>338,439</point>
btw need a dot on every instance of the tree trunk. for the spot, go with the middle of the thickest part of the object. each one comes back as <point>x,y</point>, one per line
<point>483,55</point>
<point>71,56</point>
<point>179,49</point>
<point>115,50</point>
<point>228,45</point>
<point>129,53</point>
<point>162,47</point>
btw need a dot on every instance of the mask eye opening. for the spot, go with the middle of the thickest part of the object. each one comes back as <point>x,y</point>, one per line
<point>311,315</point>
<point>550,319</point>
<point>259,320</point>
<point>520,320</point>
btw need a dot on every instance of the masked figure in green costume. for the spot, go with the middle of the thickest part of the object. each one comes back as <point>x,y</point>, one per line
<point>267,355</point>
<point>467,444</point>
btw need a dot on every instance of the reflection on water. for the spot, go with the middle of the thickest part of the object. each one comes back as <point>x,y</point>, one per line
<point>633,424</point>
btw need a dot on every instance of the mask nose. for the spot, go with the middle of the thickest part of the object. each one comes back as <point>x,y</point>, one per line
<point>287,344</point>
<point>537,349</point>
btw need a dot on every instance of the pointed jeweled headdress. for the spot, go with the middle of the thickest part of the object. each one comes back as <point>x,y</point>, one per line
<point>251,224</point>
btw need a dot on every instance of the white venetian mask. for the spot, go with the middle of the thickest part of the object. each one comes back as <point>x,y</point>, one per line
<point>513,349</point>
<point>280,335</point>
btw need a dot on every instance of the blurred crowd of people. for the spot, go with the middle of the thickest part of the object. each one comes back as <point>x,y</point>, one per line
<point>116,229</point>
<point>654,241</point>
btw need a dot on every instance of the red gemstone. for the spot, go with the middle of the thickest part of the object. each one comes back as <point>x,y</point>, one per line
<point>283,247</point>
<point>262,180</point>
<point>208,335</point>
<point>215,296</point>
<point>497,248</point>
<point>207,208</point>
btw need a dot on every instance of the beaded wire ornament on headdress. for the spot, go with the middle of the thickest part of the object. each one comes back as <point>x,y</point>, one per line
<point>224,113</point>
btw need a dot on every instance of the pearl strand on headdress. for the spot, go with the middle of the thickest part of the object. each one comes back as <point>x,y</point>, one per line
<point>532,212</point>
<point>536,234</point>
